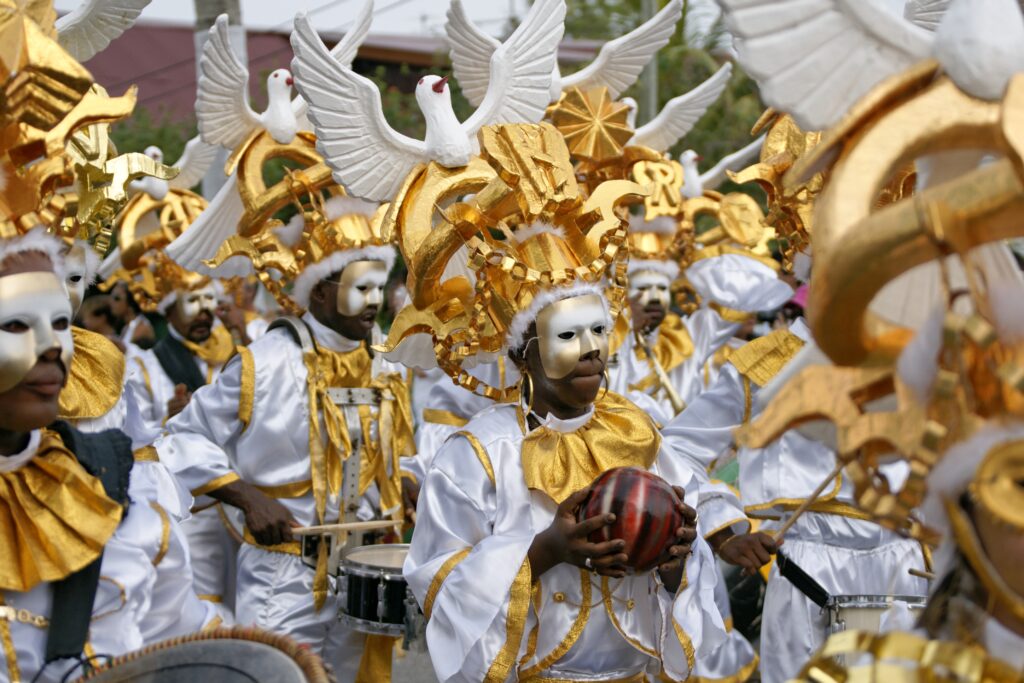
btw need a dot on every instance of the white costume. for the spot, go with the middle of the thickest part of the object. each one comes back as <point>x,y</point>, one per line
<point>833,543</point>
<point>213,442</point>
<point>477,518</point>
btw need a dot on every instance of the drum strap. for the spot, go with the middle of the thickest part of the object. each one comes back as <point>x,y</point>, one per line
<point>804,582</point>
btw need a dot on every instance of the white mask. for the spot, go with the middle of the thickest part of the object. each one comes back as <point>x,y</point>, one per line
<point>37,304</point>
<point>194,302</point>
<point>569,329</point>
<point>74,264</point>
<point>360,286</point>
<point>650,287</point>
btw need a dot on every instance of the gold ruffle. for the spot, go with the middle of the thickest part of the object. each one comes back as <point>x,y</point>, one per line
<point>762,359</point>
<point>381,457</point>
<point>216,350</point>
<point>618,435</point>
<point>672,348</point>
<point>55,518</point>
<point>95,377</point>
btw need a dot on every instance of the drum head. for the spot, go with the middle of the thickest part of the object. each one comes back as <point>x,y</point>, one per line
<point>388,556</point>
<point>236,655</point>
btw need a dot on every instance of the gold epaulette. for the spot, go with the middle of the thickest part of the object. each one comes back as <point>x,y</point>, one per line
<point>95,378</point>
<point>762,359</point>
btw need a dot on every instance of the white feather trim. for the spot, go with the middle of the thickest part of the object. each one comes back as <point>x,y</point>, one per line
<point>918,363</point>
<point>538,228</point>
<point>291,232</point>
<point>166,303</point>
<point>335,263</point>
<point>336,207</point>
<point>36,240</point>
<point>669,269</point>
<point>90,260</point>
<point>662,225</point>
<point>521,322</point>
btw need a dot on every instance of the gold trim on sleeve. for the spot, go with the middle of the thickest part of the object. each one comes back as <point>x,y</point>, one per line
<point>582,617</point>
<point>738,677</point>
<point>606,594</point>
<point>443,417</point>
<point>727,525</point>
<point>439,577</point>
<point>515,624</point>
<point>124,598</point>
<point>165,533</point>
<point>215,623</point>
<point>247,392</point>
<point>481,454</point>
<point>295,489</point>
<point>147,454</point>
<point>210,597</point>
<point>145,377</point>
<point>732,315</point>
<point>215,484</point>
<point>683,636</point>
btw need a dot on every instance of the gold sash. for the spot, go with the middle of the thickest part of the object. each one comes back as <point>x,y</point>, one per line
<point>216,350</point>
<point>55,518</point>
<point>618,435</point>
<point>762,359</point>
<point>95,377</point>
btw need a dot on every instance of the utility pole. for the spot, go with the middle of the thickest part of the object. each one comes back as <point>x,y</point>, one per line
<point>649,80</point>
<point>207,12</point>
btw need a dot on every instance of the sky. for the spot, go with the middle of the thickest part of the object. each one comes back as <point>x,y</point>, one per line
<point>391,16</point>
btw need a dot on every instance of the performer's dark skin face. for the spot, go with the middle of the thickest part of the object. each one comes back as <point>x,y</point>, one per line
<point>323,304</point>
<point>33,403</point>
<point>568,397</point>
<point>196,330</point>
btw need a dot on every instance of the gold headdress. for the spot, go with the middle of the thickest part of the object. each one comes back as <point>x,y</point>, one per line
<point>328,229</point>
<point>477,267</point>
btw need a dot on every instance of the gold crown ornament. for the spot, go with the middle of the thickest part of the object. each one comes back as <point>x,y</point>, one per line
<point>486,243</point>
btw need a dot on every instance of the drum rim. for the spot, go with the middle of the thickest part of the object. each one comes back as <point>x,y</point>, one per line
<point>878,600</point>
<point>372,570</point>
<point>368,626</point>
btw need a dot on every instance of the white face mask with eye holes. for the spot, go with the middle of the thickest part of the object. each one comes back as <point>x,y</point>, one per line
<point>35,317</point>
<point>74,264</point>
<point>650,287</point>
<point>192,303</point>
<point>569,329</point>
<point>361,285</point>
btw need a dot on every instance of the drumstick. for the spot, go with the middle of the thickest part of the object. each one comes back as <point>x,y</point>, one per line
<point>777,536</point>
<point>342,528</point>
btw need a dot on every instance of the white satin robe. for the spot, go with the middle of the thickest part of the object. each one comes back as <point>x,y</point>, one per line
<point>207,443</point>
<point>460,507</point>
<point>144,595</point>
<point>847,556</point>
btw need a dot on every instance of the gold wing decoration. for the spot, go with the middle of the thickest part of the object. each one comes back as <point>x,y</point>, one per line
<point>482,221</point>
<point>147,224</point>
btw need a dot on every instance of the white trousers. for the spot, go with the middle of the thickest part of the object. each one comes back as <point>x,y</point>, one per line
<point>213,559</point>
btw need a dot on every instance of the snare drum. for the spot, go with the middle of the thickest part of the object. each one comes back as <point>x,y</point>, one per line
<point>864,612</point>
<point>374,595</point>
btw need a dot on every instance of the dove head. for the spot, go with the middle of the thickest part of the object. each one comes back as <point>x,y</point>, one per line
<point>279,84</point>
<point>432,90</point>
<point>155,153</point>
<point>633,107</point>
<point>689,158</point>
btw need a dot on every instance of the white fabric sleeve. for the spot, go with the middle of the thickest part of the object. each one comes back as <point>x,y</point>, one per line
<point>475,601</point>
<point>193,444</point>
<point>143,419</point>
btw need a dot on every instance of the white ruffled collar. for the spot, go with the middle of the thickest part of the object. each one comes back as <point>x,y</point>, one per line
<point>557,424</point>
<point>13,462</point>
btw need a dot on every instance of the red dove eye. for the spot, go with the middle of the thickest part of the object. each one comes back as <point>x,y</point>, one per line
<point>275,75</point>
<point>421,81</point>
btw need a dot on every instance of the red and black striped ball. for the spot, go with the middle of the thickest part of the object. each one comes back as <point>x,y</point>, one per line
<point>646,517</point>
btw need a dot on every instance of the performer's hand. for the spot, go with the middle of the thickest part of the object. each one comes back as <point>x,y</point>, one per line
<point>749,551</point>
<point>567,541</point>
<point>671,570</point>
<point>178,401</point>
<point>269,522</point>
<point>410,496</point>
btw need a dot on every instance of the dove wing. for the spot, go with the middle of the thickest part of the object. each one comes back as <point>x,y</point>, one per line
<point>471,50</point>
<point>203,238</point>
<point>88,30</point>
<point>519,85</point>
<point>222,103</point>
<point>344,53</point>
<point>681,113</point>
<point>713,177</point>
<point>368,157</point>
<point>926,13</point>
<point>815,58</point>
<point>195,161</point>
<point>620,61</point>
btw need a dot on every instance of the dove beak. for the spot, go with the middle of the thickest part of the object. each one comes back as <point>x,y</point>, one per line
<point>698,158</point>
<point>439,86</point>
<point>288,81</point>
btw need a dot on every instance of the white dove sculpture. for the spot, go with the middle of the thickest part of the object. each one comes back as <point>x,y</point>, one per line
<point>192,166</point>
<point>371,159</point>
<point>679,115</point>
<point>222,104</point>
<point>695,182</point>
<point>87,30</point>
<point>617,66</point>
<point>228,121</point>
<point>815,60</point>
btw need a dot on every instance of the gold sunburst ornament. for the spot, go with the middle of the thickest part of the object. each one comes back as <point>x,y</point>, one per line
<point>594,126</point>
